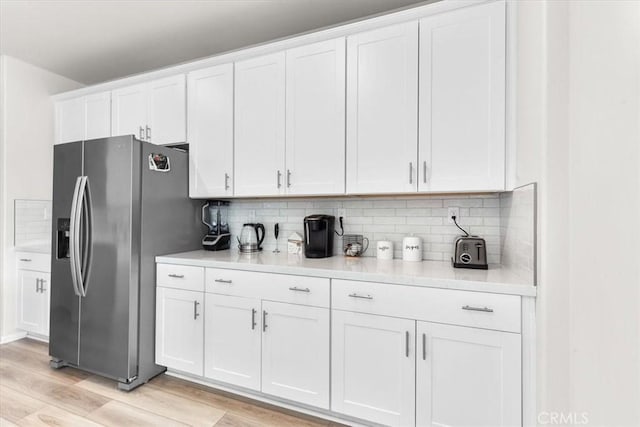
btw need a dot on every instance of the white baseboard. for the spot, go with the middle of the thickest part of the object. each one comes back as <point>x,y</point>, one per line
<point>37,337</point>
<point>12,337</point>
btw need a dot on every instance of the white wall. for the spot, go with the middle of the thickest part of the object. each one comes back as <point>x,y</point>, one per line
<point>26,157</point>
<point>578,135</point>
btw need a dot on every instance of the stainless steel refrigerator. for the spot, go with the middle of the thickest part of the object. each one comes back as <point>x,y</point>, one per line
<point>117,203</point>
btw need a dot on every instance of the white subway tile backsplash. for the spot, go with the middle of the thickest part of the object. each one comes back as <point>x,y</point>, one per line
<point>382,218</point>
<point>32,222</point>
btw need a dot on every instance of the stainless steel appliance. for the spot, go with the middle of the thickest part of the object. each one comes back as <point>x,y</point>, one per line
<point>117,203</point>
<point>215,216</point>
<point>251,238</point>
<point>469,251</point>
<point>318,236</point>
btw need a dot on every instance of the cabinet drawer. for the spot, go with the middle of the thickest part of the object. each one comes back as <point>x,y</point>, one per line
<point>314,291</point>
<point>180,277</point>
<point>474,309</point>
<point>33,261</point>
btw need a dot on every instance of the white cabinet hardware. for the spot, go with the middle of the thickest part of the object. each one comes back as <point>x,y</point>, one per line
<point>470,308</point>
<point>360,296</point>
<point>295,288</point>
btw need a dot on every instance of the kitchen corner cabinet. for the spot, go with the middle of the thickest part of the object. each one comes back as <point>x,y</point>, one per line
<point>462,100</point>
<point>33,295</point>
<point>315,118</point>
<point>467,376</point>
<point>154,111</point>
<point>180,329</point>
<point>86,117</point>
<point>210,131</point>
<point>260,126</point>
<point>232,343</point>
<point>295,353</point>
<point>382,110</point>
<point>373,367</point>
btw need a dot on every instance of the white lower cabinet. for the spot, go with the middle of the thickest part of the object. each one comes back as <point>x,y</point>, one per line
<point>373,367</point>
<point>180,329</point>
<point>295,353</point>
<point>467,376</point>
<point>33,301</point>
<point>233,328</point>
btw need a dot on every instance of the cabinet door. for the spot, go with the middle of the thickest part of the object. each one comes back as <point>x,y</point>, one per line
<point>295,353</point>
<point>382,110</point>
<point>32,310</point>
<point>476,370</point>
<point>232,340</point>
<point>462,100</point>
<point>97,115</point>
<point>129,111</point>
<point>210,131</point>
<point>179,330</point>
<point>259,126</point>
<point>167,111</point>
<point>70,120</point>
<point>373,367</point>
<point>315,119</point>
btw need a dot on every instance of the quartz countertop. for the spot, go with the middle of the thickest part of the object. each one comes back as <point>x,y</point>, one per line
<point>436,274</point>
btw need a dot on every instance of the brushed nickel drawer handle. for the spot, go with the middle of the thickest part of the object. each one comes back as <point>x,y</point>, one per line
<point>177,276</point>
<point>223,281</point>
<point>195,310</point>
<point>406,340</point>
<point>484,309</point>
<point>424,346</point>
<point>253,318</point>
<point>354,295</point>
<point>25,259</point>
<point>295,288</point>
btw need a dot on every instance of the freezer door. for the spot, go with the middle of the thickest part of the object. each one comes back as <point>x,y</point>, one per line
<point>65,301</point>
<point>109,322</point>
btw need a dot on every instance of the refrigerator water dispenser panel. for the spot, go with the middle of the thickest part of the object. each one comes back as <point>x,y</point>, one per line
<point>62,238</point>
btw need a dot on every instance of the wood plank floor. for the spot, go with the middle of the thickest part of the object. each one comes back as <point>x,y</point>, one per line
<point>33,394</point>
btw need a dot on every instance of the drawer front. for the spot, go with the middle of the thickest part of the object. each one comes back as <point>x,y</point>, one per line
<point>180,277</point>
<point>313,291</point>
<point>464,308</point>
<point>33,261</point>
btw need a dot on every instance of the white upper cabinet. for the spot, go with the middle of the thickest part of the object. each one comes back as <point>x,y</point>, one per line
<point>129,111</point>
<point>154,112</point>
<point>97,115</point>
<point>315,118</point>
<point>462,100</point>
<point>86,117</point>
<point>260,126</point>
<point>210,131</point>
<point>382,110</point>
<point>467,376</point>
<point>167,110</point>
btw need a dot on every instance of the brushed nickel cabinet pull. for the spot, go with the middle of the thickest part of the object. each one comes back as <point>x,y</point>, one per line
<point>195,310</point>
<point>354,295</point>
<point>177,276</point>
<point>148,133</point>
<point>226,181</point>
<point>424,346</point>
<point>264,320</point>
<point>278,175</point>
<point>37,285</point>
<point>223,281</point>
<point>288,177</point>
<point>406,340</point>
<point>424,172</point>
<point>410,172</point>
<point>297,289</point>
<point>484,309</point>
<point>25,259</point>
<point>253,318</point>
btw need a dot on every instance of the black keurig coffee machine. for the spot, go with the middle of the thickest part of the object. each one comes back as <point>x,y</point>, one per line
<point>214,216</point>
<point>318,236</point>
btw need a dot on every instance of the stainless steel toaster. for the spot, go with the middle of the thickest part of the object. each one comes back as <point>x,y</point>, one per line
<point>470,252</point>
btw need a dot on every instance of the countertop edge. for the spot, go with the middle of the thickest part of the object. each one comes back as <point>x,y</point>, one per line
<point>456,284</point>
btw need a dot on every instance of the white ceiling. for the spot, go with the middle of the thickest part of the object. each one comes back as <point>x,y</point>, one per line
<point>92,41</point>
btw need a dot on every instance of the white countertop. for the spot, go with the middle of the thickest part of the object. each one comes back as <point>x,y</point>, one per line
<point>436,274</point>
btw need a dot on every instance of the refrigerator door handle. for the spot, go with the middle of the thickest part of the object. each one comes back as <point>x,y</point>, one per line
<point>74,236</point>
<point>87,220</point>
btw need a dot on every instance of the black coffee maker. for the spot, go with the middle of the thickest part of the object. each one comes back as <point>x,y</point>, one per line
<point>214,216</point>
<point>318,235</point>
